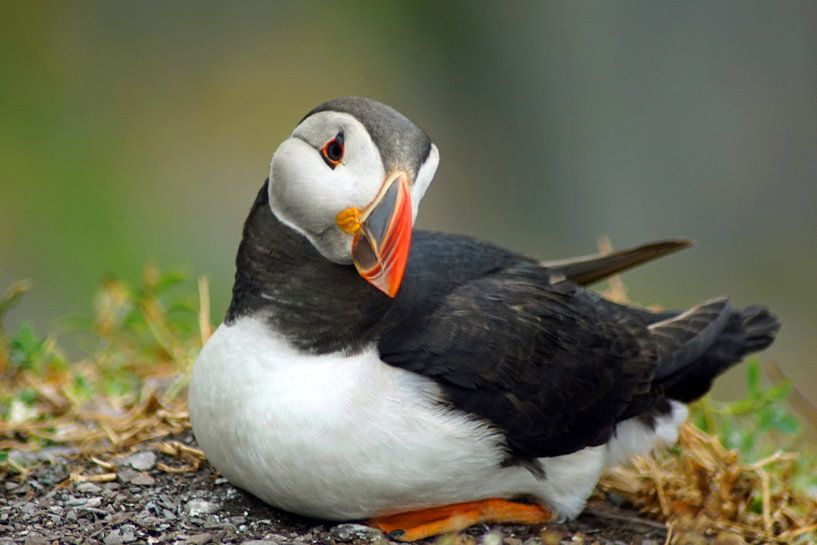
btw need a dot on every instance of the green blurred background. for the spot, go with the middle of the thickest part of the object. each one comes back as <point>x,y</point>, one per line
<point>142,131</point>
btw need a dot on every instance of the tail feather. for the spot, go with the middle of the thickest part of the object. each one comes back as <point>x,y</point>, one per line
<point>747,331</point>
<point>760,327</point>
<point>694,347</point>
<point>685,337</point>
<point>679,341</point>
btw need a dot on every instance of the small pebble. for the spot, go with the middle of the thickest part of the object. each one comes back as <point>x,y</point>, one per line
<point>128,533</point>
<point>55,474</point>
<point>114,538</point>
<point>93,502</point>
<point>492,538</point>
<point>143,480</point>
<point>551,537</point>
<point>355,532</point>
<point>89,488</point>
<point>168,502</point>
<point>199,539</point>
<point>141,461</point>
<point>29,509</point>
<point>198,508</point>
<point>118,518</point>
<point>127,474</point>
<point>35,539</point>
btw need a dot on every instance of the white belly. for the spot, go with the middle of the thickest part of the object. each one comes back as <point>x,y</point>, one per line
<point>347,437</point>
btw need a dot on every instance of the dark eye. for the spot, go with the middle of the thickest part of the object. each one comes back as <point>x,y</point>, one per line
<point>332,151</point>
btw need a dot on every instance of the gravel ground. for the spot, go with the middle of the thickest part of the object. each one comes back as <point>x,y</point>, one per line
<point>144,504</point>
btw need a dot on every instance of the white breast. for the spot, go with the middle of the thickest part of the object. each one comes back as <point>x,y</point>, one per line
<point>346,437</point>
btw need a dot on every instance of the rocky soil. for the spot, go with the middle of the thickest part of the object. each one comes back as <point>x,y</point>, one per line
<point>143,504</point>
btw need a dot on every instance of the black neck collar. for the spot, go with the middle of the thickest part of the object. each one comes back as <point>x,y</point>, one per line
<point>318,305</point>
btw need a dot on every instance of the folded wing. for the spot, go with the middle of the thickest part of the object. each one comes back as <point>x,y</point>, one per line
<point>553,366</point>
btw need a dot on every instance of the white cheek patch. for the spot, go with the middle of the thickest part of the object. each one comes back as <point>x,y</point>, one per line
<point>306,194</point>
<point>424,177</point>
<point>361,173</point>
<point>282,194</point>
<point>358,181</point>
<point>298,193</point>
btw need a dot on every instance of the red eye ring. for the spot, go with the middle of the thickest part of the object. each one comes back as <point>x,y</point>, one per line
<point>332,151</point>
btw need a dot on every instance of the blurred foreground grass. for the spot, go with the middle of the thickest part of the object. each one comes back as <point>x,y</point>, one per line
<point>127,382</point>
<point>739,467</point>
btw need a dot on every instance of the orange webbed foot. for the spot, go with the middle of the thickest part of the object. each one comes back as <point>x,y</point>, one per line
<point>415,525</point>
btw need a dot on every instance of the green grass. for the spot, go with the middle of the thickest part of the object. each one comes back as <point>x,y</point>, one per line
<point>760,425</point>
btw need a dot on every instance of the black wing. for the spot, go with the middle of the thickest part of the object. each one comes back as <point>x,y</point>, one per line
<point>588,269</point>
<point>461,253</point>
<point>553,366</point>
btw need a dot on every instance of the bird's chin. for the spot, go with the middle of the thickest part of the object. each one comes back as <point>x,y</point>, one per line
<point>334,245</point>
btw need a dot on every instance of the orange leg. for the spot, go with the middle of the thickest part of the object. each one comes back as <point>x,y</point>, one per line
<point>425,523</point>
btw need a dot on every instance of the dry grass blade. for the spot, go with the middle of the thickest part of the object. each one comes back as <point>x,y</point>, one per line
<point>616,291</point>
<point>97,478</point>
<point>101,463</point>
<point>702,486</point>
<point>177,448</point>
<point>193,456</point>
<point>804,406</point>
<point>205,329</point>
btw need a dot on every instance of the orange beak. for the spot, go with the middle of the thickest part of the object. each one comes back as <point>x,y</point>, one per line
<point>382,240</point>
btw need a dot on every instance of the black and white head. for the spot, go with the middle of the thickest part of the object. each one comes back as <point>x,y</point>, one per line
<point>350,178</point>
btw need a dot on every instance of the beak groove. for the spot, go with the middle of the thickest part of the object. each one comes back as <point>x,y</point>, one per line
<point>381,245</point>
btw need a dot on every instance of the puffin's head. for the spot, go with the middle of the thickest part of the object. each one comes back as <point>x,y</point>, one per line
<point>349,178</point>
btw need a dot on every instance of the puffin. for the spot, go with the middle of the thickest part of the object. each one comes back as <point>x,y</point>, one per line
<point>424,382</point>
